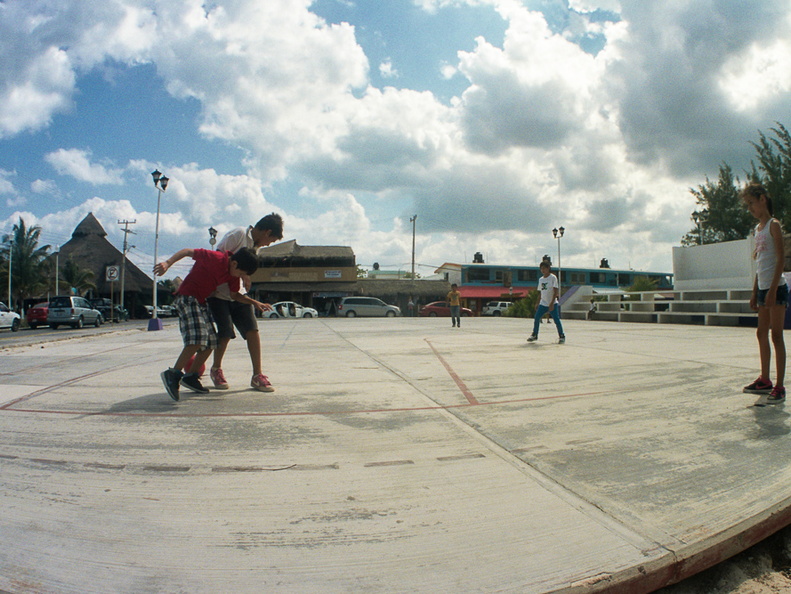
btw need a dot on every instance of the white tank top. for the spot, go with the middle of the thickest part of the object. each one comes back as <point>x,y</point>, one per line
<point>765,257</point>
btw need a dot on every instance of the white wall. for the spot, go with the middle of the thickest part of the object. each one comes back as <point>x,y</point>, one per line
<point>727,265</point>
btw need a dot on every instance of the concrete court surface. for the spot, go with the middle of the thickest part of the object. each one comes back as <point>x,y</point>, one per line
<point>396,455</point>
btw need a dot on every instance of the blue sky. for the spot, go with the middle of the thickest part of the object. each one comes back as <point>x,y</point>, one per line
<point>492,120</point>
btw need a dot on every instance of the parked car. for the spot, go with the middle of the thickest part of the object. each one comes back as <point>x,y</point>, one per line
<point>105,307</point>
<point>37,315</point>
<point>366,307</point>
<point>441,309</point>
<point>73,311</point>
<point>290,309</point>
<point>495,308</point>
<point>161,311</point>
<point>8,318</point>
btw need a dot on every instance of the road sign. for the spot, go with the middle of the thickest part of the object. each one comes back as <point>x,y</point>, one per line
<point>112,273</point>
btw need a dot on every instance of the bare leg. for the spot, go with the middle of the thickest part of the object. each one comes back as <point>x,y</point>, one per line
<point>762,333</point>
<point>254,347</point>
<point>778,314</point>
<point>219,352</point>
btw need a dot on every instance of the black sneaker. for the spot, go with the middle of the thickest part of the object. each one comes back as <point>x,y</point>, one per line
<point>532,338</point>
<point>561,339</point>
<point>759,386</point>
<point>171,377</point>
<point>777,396</point>
<point>191,381</point>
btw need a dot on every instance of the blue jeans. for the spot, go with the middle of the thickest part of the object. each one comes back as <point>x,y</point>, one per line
<point>555,313</point>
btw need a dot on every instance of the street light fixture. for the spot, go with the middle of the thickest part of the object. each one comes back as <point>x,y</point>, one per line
<point>212,236</point>
<point>161,184</point>
<point>697,217</point>
<point>558,233</point>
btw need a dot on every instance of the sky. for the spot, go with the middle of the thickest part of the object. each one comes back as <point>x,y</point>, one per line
<point>492,121</point>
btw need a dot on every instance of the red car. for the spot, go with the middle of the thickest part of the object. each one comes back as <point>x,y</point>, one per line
<point>441,309</point>
<point>37,315</point>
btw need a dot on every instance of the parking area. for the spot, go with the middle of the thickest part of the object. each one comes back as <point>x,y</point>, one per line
<point>396,454</point>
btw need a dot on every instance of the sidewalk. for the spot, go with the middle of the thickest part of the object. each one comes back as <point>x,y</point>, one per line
<point>396,455</point>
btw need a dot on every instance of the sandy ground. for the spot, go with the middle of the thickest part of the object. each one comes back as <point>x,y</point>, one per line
<point>762,569</point>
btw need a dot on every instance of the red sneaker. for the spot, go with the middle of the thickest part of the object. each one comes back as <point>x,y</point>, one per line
<point>218,377</point>
<point>261,383</point>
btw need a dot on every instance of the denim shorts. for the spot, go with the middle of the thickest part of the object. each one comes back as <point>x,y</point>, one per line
<point>782,296</point>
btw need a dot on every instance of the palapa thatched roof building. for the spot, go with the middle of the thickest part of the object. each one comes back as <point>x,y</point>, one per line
<point>90,250</point>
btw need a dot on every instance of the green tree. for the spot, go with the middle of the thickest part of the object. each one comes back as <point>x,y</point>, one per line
<point>642,283</point>
<point>773,170</point>
<point>77,278</point>
<point>720,214</point>
<point>27,260</point>
<point>525,307</point>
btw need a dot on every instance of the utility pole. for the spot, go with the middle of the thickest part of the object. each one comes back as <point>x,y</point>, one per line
<point>127,231</point>
<point>412,220</point>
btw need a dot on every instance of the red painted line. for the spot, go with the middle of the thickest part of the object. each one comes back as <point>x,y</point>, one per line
<point>462,386</point>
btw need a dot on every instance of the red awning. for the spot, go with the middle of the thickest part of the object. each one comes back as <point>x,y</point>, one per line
<point>473,292</point>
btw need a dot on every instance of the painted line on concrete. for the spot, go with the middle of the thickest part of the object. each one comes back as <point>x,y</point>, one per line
<point>462,386</point>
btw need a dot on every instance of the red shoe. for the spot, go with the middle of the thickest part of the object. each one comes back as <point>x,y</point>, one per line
<point>218,377</point>
<point>261,383</point>
<point>759,386</point>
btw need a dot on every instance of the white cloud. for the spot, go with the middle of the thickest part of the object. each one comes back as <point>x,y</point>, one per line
<point>386,70</point>
<point>77,163</point>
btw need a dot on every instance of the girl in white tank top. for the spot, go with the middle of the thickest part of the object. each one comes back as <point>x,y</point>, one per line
<point>770,294</point>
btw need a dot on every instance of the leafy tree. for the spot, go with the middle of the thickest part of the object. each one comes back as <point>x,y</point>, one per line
<point>774,170</point>
<point>720,214</point>
<point>77,278</point>
<point>642,283</point>
<point>525,307</point>
<point>29,268</point>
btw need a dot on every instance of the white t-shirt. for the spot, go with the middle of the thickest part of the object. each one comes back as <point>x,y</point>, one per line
<point>547,286</point>
<point>233,241</point>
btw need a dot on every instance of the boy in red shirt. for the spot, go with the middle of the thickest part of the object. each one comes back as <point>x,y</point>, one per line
<point>211,269</point>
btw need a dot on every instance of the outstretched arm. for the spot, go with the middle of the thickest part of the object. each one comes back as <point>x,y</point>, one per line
<point>250,301</point>
<point>162,267</point>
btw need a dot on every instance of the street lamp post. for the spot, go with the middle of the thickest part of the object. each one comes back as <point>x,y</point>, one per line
<point>161,184</point>
<point>212,236</point>
<point>698,219</point>
<point>57,269</point>
<point>558,233</point>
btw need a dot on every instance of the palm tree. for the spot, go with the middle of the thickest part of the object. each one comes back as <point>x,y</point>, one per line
<point>28,262</point>
<point>76,277</point>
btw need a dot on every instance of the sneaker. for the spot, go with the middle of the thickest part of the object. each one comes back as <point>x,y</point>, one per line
<point>759,386</point>
<point>171,377</point>
<point>561,339</point>
<point>218,377</point>
<point>191,381</point>
<point>777,396</point>
<point>532,338</point>
<point>261,383</point>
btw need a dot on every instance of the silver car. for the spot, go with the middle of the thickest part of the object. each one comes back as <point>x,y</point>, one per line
<point>73,311</point>
<point>366,307</point>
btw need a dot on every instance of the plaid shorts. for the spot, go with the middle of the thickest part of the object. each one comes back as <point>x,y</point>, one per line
<point>195,322</point>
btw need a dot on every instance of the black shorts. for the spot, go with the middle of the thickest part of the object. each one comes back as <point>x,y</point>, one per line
<point>781,299</point>
<point>228,314</point>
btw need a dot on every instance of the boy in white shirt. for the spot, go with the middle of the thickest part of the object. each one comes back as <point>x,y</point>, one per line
<point>550,291</point>
<point>228,313</point>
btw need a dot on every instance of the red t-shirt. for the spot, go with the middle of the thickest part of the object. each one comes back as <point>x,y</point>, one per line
<point>209,272</point>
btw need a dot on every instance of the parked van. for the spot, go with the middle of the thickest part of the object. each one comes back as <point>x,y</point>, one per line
<point>366,307</point>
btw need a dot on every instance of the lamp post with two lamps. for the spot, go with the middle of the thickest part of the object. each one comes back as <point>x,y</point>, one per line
<point>558,233</point>
<point>161,184</point>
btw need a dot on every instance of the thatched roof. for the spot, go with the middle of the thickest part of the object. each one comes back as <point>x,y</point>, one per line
<point>89,249</point>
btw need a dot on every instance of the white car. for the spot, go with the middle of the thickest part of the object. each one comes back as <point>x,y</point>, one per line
<point>290,309</point>
<point>8,318</point>
<point>495,308</point>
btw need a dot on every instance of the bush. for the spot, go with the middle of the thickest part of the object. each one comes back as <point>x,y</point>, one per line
<point>524,308</point>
